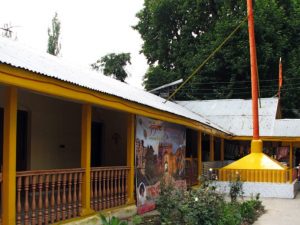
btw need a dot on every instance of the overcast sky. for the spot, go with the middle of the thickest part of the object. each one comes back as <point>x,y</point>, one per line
<point>89,28</point>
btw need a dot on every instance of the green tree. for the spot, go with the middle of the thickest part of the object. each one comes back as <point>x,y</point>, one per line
<point>179,35</point>
<point>113,65</point>
<point>54,45</point>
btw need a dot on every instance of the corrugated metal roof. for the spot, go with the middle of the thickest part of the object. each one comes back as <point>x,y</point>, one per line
<point>17,55</point>
<point>235,115</point>
<point>286,128</point>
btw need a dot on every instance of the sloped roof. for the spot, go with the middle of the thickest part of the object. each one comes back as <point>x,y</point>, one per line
<point>286,128</point>
<point>235,115</point>
<point>21,56</point>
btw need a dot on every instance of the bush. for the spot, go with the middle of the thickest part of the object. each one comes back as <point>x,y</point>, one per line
<point>236,188</point>
<point>231,214</point>
<point>205,206</point>
<point>251,209</point>
<point>201,206</point>
<point>168,202</point>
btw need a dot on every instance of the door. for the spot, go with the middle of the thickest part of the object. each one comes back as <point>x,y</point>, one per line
<point>96,145</point>
<point>22,138</point>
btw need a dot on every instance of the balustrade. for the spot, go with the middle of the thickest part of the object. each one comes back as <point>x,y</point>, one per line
<point>108,187</point>
<point>36,189</point>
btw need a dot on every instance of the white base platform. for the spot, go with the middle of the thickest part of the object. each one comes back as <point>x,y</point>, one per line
<point>267,190</point>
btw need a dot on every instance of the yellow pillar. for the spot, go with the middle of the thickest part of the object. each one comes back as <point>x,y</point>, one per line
<point>130,157</point>
<point>211,148</point>
<point>9,157</point>
<point>222,149</point>
<point>86,121</point>
<point>199,149</point>
<point>291,162</point>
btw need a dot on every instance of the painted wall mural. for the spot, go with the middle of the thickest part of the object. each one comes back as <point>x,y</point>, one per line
<point>160,154</point>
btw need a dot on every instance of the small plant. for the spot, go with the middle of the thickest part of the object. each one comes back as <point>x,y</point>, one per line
<point>167,203</point>
<point>251,209</point>
<point>112,221</point>
<point>236,188</point>
<point>231,214</point>
<point>137,220</point>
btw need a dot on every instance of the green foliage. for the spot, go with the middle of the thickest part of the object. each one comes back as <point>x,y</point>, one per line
<point>137,220</point>
<point>179,35</point>
<point>231,214</point>
<point>167,204</point>
<point>236,188</point>
<point>112,221</point>
<point>201,206</point>
<point>54,45</point>
<point>204,206</point>
<point>250,209</point>
<point>113,65</point>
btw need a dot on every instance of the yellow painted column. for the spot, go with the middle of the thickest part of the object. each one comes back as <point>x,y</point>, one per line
<point>9,157</point>
<point>222,149</point>
<point>291,162</point>
<point>211,148</point>
<point>130,157</point>
<point>86,121</point>
<point>199,150</point>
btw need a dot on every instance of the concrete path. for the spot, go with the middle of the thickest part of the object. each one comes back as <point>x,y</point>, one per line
<point>280,212</point>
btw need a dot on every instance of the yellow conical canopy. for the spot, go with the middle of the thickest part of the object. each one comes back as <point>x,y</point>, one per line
<point>256,161</point>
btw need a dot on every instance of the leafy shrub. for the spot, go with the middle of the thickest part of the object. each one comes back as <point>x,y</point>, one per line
<point>112,221</point>
<point>231,214</point>
<point>250,209</point>
<point>201,206</point>
<point>168,202</point>
<point>236,188</point>
<point>137,219</point>
<point>205,206</point>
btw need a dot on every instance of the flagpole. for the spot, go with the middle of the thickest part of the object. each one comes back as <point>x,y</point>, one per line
<point>256,144</point>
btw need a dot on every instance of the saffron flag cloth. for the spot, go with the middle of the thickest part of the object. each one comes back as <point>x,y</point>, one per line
<point>159,154</point>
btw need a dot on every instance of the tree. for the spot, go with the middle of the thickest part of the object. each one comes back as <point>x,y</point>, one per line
<point>179,35</point>
<point>113,65</point>
<point>54,45</point>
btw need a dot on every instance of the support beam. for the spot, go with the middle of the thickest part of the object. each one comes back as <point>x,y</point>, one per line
<point>291,162</point>
<point>211,148</point>
<point>199,149</point>
<point>86,121</point>
<point>9,157</point>
<point>222,149</point>
<point>130,157</point>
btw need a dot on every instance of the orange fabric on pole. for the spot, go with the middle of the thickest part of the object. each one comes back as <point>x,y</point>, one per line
<point>280,74</point>
<point>253,63</point>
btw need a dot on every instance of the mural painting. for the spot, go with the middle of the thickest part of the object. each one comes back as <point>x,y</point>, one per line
<point>160,155</point>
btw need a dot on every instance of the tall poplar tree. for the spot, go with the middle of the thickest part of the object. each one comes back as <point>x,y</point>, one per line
<point>54,45</point>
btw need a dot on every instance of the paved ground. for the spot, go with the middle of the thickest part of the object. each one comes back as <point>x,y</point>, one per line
<point>280,212</point>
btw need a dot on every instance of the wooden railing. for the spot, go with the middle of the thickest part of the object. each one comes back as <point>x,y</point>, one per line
<point>108,187</point>
<point>191,171</point>
<point>48,196</point>
<point>272,176</point>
